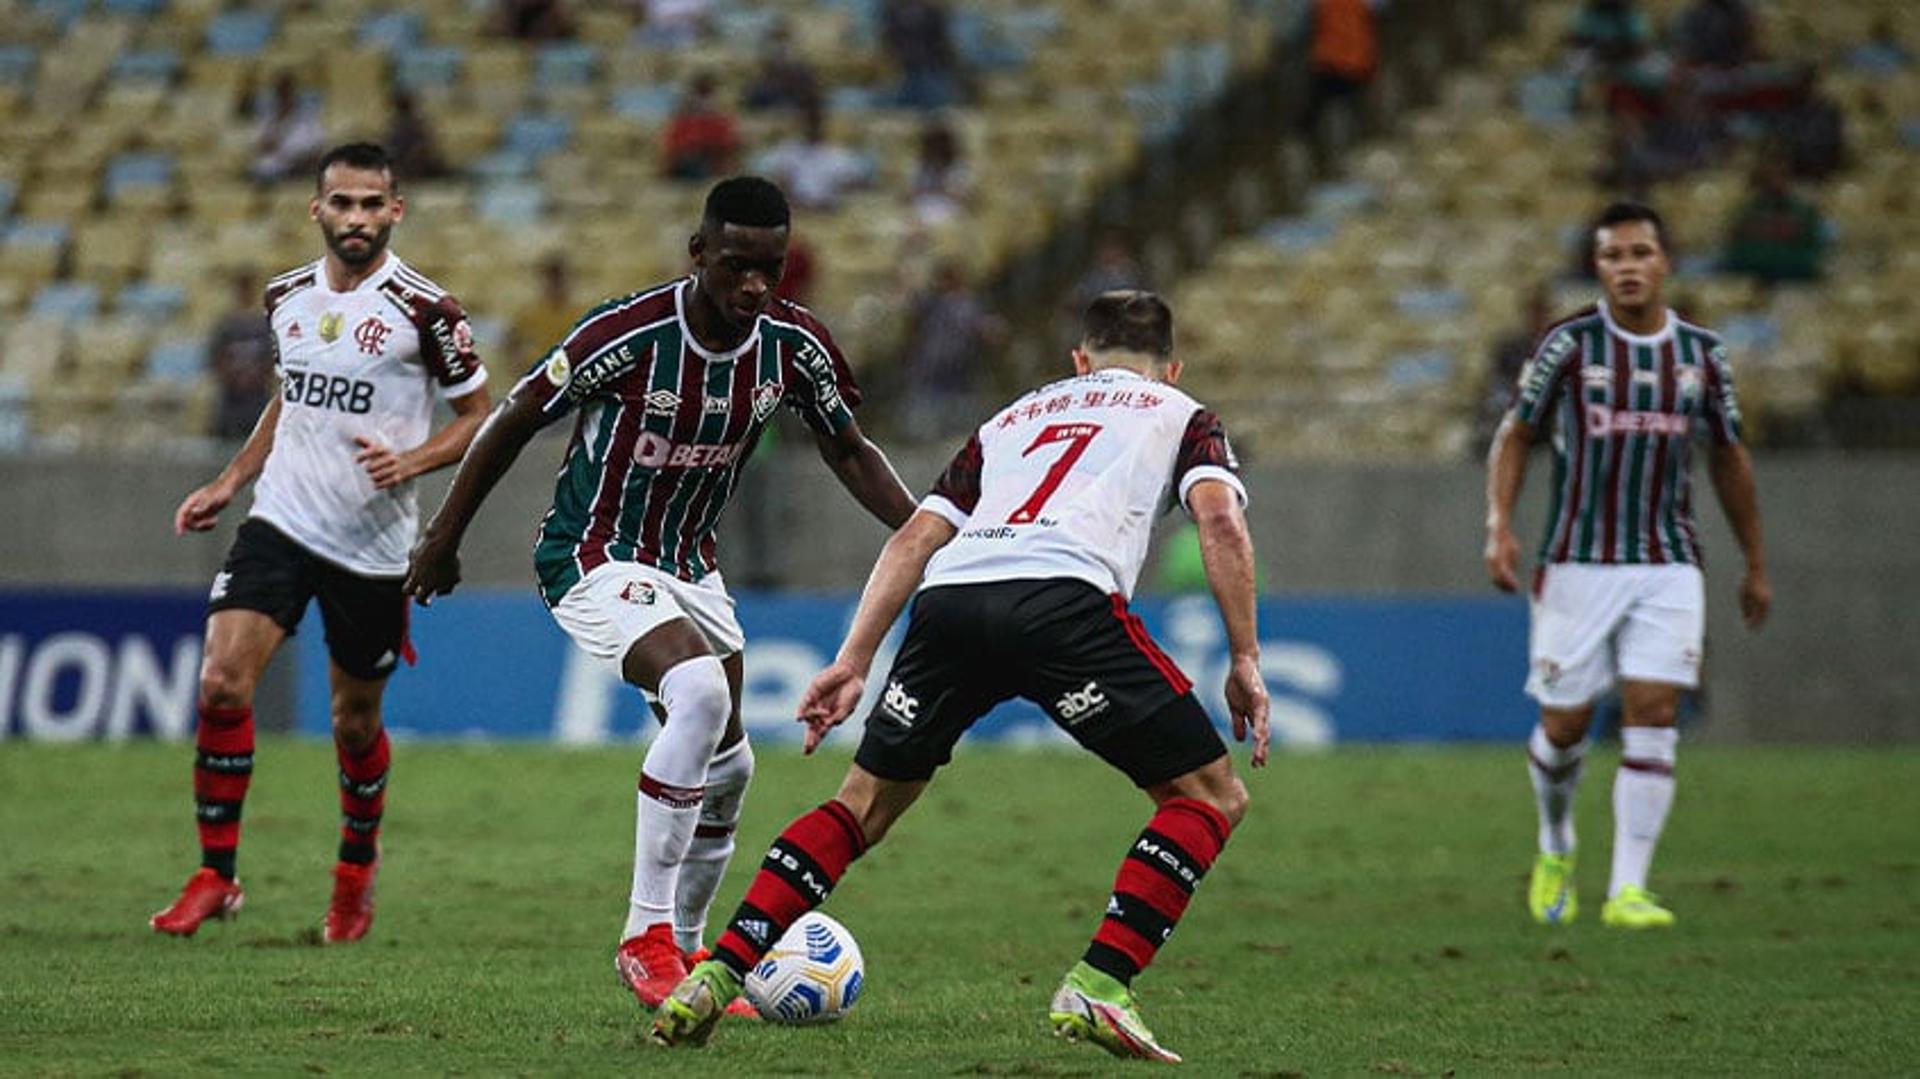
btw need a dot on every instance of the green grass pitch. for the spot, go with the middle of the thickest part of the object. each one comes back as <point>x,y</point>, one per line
<point>1367,918</point>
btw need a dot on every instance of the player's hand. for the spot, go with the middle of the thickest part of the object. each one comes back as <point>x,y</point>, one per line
<point>1756,597</point>
<point>433,569</point>
<point>384,467</point>
<point>829,700</point>
<point>200,510</point>
<point>1247,704</point>
<point>1503,559</point>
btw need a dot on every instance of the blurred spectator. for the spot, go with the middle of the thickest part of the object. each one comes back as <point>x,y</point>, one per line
<point>920,43</point>
<point>1716,33</point>
<point>1812,131</point>
<point>1777,235</point>
<point>1609,33</point>
<point>533,20</point>
<point>942,182</point>
<point>1344,56</point>
<point>673,23</point>
<point>1681,136</point>
<point>288,134</point>
<point>796,281</point>
<point>701,141</point>
<point>1883,53</point>
<point>411,143</point>
<point>1114,267</point>
<point>240,354</point>
<point>1511,353</point>
<point>785,79</point>
<point>544,322</point>
<point>950,336</point>
<point>814,171</point>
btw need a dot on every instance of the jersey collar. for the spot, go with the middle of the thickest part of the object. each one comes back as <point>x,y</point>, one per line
<point>379,277</point>
<point>1664,333</point>
<point>686,329</point>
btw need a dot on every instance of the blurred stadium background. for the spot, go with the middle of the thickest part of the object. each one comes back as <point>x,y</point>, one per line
<point>1360,211</point>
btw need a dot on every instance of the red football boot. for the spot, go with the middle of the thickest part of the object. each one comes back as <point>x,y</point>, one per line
<point>650,964</point>
<point>350,914</point>
<point>207,895</point>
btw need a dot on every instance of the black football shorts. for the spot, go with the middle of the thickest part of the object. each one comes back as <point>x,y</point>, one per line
<point>365,617</point>
<point>1079,654</point>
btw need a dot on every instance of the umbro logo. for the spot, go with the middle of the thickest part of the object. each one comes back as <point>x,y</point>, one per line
<point>662,401</point>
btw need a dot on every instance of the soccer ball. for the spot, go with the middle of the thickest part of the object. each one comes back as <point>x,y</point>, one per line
<point>813,975</point>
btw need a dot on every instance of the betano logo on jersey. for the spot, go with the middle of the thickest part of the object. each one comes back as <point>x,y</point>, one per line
<point>1603,422</point>
<point>653,450</point>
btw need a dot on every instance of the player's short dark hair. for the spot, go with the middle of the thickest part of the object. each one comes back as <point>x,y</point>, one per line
<point>356,155</point>
<point>748,201</point>
<point>1621,213</point>
<point>1129,320</point>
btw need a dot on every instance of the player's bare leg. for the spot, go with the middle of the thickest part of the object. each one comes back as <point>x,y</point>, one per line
<point>674,661</point>
<point>360,742</point>
<point>1642,795</point>
<point>1556,758</point>
<point>238,647</point>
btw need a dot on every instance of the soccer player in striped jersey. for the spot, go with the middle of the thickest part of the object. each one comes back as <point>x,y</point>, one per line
<point>362,343</point>
<point>673,386</point>
<point>1020,563</point>
<point>1618,596</point>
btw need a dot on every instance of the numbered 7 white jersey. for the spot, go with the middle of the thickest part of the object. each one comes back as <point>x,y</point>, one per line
<point>1068,480</point>
<point>361,363</point>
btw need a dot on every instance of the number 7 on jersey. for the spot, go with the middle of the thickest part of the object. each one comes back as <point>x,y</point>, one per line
<point>1076,435</point>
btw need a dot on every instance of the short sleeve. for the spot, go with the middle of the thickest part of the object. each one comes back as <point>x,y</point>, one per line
<point>446,347</point>
<point>1205,454</point>
<point>819,384</point>
<point>957,491</point>
<point>590,358</point>
<point>1722,406</point>
<point>1544,377</point>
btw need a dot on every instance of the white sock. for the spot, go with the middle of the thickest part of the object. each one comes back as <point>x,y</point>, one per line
<point>712,847</point>
<point>1642,794</point>
<point>672,781</point>
<point>1555,771</point>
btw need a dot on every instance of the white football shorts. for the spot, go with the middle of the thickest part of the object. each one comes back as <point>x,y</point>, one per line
<point>1593,624</point>
<point>617,603</point>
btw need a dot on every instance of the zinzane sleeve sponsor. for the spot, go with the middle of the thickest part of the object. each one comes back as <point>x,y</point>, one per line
<point>1205,454</point>
<point>957,491</point>
<point>1722,405</point>
<point>446,347</point>
<point>1544,376</point>
<point>819,384</point>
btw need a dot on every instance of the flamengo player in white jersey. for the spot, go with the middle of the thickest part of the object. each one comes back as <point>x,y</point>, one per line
<point>1030,544</point>
<point>673,385</point>
<point>1618,594</point>
<point>363,344</point>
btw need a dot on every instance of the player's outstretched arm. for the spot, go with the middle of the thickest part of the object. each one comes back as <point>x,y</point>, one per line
<point>867,474</point>
<point>1226,552</point>
<point>200,509</point>
<point>1506,472</point>
<point>1732,469</point>
<point>834,693</point>
<point>388,467</point>
<point>433,569</point>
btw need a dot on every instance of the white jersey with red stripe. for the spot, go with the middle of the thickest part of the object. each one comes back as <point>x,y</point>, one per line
<point>364,362</point>
<point>1068,480</point>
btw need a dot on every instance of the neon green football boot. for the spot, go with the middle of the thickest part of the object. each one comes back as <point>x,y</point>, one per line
<point>1636,908</point>
<point>1550,895</point>
<point>1093,1007</point>
<point>689,1013</point>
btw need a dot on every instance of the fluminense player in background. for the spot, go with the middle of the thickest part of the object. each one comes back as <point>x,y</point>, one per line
<point>363,342</point>
<point>1618,597</point>
<point>1023,557</point>
<point>674,385</point>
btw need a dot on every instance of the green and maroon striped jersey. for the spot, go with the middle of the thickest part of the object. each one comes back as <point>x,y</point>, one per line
<point>665,427</point>
<point>1623,409</point>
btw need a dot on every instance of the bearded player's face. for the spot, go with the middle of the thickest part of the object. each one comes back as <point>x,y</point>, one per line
<point>1631,262</point>
<point>356,210</point>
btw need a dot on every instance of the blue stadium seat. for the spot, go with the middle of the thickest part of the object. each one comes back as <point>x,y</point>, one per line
<point>17,63</point>
<point>7,193</point>
<point>69,301</point>
<point>565,64</point>
<point>138,170</point>
<point>154,303</point>
<point>645,103</point>
<point>1337,200</point>
<point>1426,367</point>
<point>15,416</point>
<point>1549,98</point>
<point>179,360</point>
<point>1296,234</point>
<point>63,12</point>
<point>745,27</point>
<point>429,67</point>
<point>141,8</point>
<point>147,65</point>
<point>37,234</point>
<point>240,33</point>
<point>512,202</point>
<point>391,31</point>
<point>1430,303</point>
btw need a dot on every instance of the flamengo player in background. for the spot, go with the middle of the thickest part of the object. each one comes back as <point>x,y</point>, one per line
<point>1618,593</point>
<point>1030,543</point>
<point>674,385</point>
<point>362,342</point>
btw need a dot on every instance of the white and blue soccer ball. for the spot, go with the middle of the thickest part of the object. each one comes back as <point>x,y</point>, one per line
<point>813,975</point>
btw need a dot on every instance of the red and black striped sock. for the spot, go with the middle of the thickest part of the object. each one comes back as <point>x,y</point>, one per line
<point>363,797</point>
<point>222,768</point>
<point>1155,883</point>
<point>799,872</point>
